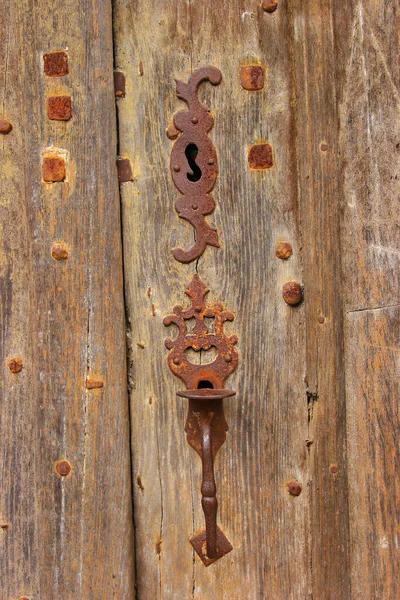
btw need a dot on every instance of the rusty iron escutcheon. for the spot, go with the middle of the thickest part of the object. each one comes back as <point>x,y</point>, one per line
<point>206,425</point>
<point>194,164</point>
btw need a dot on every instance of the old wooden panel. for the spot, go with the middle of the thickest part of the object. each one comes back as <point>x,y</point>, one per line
<point>62,536</point>
<point>255,210</point>
<point>367,50</point>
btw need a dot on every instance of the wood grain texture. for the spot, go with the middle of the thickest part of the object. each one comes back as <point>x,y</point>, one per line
<point>367,47</point>
<point>265,446</point>
<point>64,537</point>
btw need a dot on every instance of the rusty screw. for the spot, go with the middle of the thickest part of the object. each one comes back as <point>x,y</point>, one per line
<point>252,77</point>
<point>63,468</point>
<point>269,6</point>
<point>284,250</point>
<point>294,488</point>
<point>5,126</point>
<point>15,364</point>
<point>292,293</point>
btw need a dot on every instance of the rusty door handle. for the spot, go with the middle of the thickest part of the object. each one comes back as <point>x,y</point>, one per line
<point>206,425</point>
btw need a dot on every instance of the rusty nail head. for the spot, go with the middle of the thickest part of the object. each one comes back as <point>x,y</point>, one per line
<point>260,156</point>
<point>59,108</point>
<point>119,84</point>
<point>292,293</point>
<point>93,384</point>
<point>269,6</point>
<point>334,468</point>
<point>124,170</point>
<point>252,77</point>
<point>284,250</point>
<point>294,488</point>
<point>309,443</point>
<point>59,252</point>
<point>15,364</point>
<point>63,468</point>
<point>321,320</point>
<point>324,146</point>
<point>53,169</point>
<point>56,64</point>
<point>172,132</point>
<point>5,126</point>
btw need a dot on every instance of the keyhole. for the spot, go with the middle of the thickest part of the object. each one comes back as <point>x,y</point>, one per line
<point>204,384</point>
<point>191,153</point>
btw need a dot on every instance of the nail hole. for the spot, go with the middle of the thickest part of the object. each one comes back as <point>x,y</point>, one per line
<point>191,153</point>
<point>204,384</point>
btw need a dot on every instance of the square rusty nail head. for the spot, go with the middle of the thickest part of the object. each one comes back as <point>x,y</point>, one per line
<point>53,169</point>
<point>252,77</point>
<point>119,84</point>
<point>56,64</point>
<point>200,545</point>
<point>124,170</point>
<point>260,156</point>
<point>59,108</point>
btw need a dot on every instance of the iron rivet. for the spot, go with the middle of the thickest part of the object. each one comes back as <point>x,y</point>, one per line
<point>292,293</point>
<point>194,206</point>
<point>195,120</point>
<point>294,488</point>
<point>172,132</point>
<point>198,309</point>
<point>63,468</point>
<point>211,161</point>
<point>176,361</point>
<point>228,359</point>
<point>269,6</point>
<point>284,250</point>
<point>15,364</point>
<point>5,126</point>
<point>177,168</point>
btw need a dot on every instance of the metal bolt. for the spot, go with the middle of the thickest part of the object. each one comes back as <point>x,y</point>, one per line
<point>294,488</point>
<point>269,6</point>
<point>252,77</point>
<point>63,468</point>
<point>5,126</point>
<point>56,64</point>
<point>15,364</point>
<point>53,169</point>
<point>260,156</point>
<point>292,293</point>
<point>284,250</point>
<point>59,108</point>
<point>59,252</point>
<point>172,132</point>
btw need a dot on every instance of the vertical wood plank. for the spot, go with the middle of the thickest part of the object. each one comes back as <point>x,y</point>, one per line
<point>265,446</point>
<point>317,151</point>
<point>64,536</point>
<point>368,48</point>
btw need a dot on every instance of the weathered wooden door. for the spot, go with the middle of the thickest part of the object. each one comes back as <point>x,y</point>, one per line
<point>100,491</point>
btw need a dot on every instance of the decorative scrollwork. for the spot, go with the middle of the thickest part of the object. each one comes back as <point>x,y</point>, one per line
<point>201,339</point>
<point>194,164</point>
